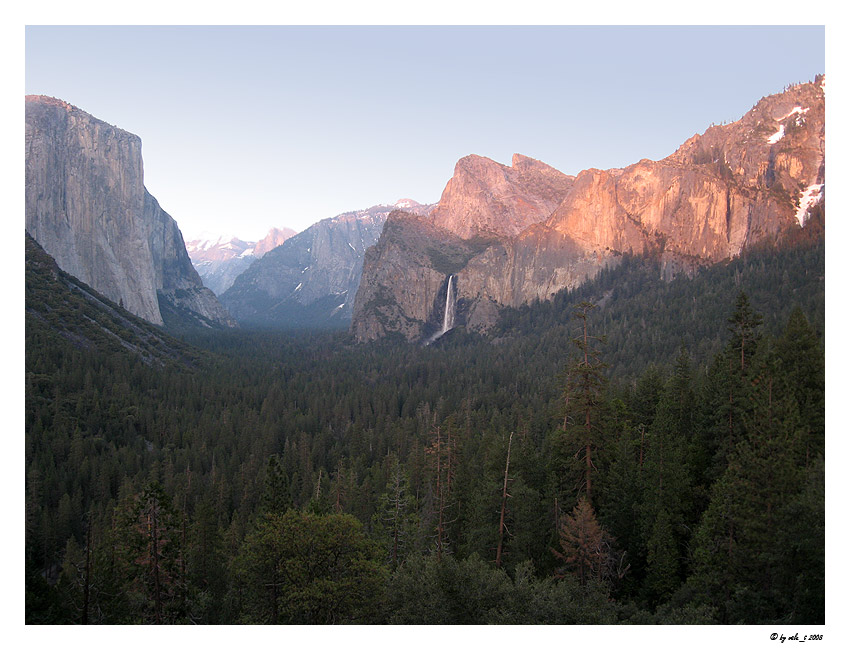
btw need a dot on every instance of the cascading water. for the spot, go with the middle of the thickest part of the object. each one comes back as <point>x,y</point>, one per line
<point>449,315</point>
<point>448,312</point>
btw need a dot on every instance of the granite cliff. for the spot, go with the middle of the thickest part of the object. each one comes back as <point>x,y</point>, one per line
<point>486,198</point>
<point>87,206</point>
<point>736,185</point>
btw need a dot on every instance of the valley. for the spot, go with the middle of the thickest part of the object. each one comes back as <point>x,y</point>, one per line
<point>587,399</point>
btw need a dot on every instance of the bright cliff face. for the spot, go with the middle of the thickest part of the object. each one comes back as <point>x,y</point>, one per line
<point>87,206</point>
<point>510,235</point>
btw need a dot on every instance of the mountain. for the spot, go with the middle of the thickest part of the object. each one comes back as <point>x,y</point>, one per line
<point>486,198</point>
<point>87,206</point>
<point>311,279</point>
<point>58,304</point>
<point>737,185</point>
<point>274,238</point>
<point>220,261</point>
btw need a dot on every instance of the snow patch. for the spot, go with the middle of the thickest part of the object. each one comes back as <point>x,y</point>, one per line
<point>298,287</point>
<point>798,110</point>
<point>352,247</point>
<point>808,198</point>
<point>247,252</point>
<point>776,137</point>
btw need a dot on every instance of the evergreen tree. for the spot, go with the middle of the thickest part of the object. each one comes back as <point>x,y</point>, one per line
<point>276,496</point>
<point>582,398</point>
<point>310,569</point>
<point>152,556</point>
<point>801,371</point>
<point>662,566</point>
<point>395,522</point>
<point>586,548</point>
<point>207,564</point>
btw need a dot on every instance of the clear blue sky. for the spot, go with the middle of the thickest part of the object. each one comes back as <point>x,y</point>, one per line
<point>245,128</point>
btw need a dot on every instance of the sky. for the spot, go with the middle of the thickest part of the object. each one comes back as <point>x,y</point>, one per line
<point>248,128</point>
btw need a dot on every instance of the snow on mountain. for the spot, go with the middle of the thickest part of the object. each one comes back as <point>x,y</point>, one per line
<point>219,259</point>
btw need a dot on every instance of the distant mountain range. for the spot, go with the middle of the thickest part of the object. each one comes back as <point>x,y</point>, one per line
<point>311,279</point>
<point>218,261</point>
<point>507,236</point>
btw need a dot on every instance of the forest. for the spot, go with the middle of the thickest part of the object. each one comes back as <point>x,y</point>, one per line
<point>637,451</point>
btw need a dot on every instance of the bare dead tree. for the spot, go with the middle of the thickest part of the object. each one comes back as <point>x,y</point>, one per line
<point>505,496</point>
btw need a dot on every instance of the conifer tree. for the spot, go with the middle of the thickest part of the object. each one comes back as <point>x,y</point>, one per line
<point>662,566</point>
<point>800,371</point>
<point>744,326</point>
<point>207,562</point>
<point>582,399</point>
<point>586,547</point>
<point>152,554</point>
<point>395,521</point>
<point>737,554</point>
<point>276,497</point>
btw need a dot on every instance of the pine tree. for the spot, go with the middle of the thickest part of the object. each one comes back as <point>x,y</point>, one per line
<point>662,566</point>
<point>582,399</point>
<point>586,548</point>
<point>801,371</point>
<point>207,562</point>
<point>737,554</point>
<point>276,495</point>
<point>396,521</point>
<point>744,326</point>
<point>152,554</point>
<point>728,386</point>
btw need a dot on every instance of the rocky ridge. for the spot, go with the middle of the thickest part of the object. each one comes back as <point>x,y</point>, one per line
<point>734,186</point>
<point>311,279</point>
<point>87,206</point>
<point>219,262</point>
<point>486,198</point>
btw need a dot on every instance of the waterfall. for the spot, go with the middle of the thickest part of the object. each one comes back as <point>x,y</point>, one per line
<point>448,312</point>
<point>449,315</point>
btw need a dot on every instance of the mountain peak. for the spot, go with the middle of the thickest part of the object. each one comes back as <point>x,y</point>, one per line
<point>487,198</point>
<point>274,238</point>
<point>406,204</point>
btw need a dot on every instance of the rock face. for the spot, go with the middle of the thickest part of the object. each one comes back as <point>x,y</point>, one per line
<point>408,275</point>
<point>274,238</point>
<point>734,186</point>
<point>486,198</point>
<point>87,206</point>
<point>220,261</point>
<point>311,279</point>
